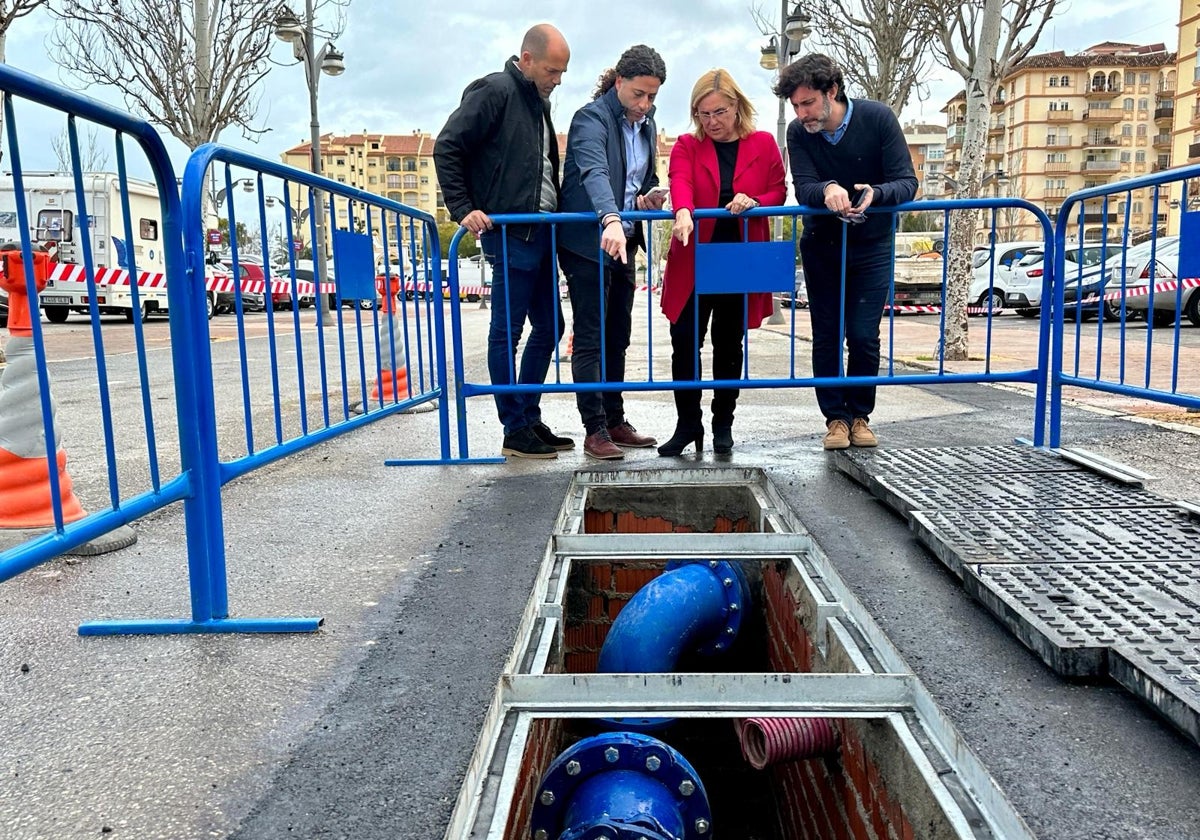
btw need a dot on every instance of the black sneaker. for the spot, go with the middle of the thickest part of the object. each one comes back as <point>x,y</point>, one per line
<point>562,444</point>
<point>525,444</point>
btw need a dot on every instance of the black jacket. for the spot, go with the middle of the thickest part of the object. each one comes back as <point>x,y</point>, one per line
<point>489,154</point>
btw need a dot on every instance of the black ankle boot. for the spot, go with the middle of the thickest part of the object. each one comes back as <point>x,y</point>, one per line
<point>685,433</point>
<point>722,439</point>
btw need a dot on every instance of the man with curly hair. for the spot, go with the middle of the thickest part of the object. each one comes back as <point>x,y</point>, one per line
<point>609,169</point>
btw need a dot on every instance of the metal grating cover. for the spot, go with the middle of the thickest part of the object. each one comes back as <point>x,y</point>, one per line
<point>1070,614</point>
<point>1167,677</point>
<point>1009,491</point>
<point>1127,535</point>
<point>863,464</point>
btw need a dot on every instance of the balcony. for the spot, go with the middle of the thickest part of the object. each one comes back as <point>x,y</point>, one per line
<point>1101,166</point>
<point>1100,141</point>
<point>1060,116</point>
<point>1193,151</point>
<point>994,152</point>
<point>1097,218</point>
<point>1160,167</point>
<point>1102,91</point>
<point>1164,115</point>
<point>1103,115</point>
<point>1054,192</point>
<point>955,140</point>
<point>1164,92</point>
<point>1162,141</point>
<point>1059,141</point>
<point>1060,166</point>
<point>996,129</point>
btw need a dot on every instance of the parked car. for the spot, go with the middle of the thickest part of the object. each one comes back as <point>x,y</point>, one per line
<point>1030,271</point>
<point>798,297</point>
<point>995,289</point>
<point>1166,304</point>
<point>251,301</point>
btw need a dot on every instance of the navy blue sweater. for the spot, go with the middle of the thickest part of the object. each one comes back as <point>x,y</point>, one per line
<point>872,151</point>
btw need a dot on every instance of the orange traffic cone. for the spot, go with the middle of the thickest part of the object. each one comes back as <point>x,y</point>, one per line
<point>25,498</point>
<point>392,385</point>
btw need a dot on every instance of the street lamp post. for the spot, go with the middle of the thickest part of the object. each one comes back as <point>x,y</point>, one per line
<point>330,61</point>
<point>794,27</point>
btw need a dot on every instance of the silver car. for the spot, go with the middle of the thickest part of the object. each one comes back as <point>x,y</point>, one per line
<point>1168,303</point>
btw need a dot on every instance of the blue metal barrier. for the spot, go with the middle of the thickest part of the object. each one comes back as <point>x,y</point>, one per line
<point>891,375</point>
<point>1118,297</point>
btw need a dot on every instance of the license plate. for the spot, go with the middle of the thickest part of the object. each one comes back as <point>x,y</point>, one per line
<point>56,300</point>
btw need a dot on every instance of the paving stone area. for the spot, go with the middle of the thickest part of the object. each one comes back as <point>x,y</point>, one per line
<point>1099,578</point>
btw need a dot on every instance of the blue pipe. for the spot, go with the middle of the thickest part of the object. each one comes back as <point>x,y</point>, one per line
<point>621,786</point>
<point>693,606</point>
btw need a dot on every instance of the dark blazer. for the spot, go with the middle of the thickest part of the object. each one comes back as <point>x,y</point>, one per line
<point>594,171</point>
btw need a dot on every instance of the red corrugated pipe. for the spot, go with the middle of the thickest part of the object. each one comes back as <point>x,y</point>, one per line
<point>767,741</point>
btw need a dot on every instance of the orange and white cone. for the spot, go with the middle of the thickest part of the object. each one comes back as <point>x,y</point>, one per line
<point>392,385</point>
<point>25,497</point>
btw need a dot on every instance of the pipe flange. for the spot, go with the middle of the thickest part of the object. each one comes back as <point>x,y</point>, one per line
<point>627,751</point>
<point>737,600</point>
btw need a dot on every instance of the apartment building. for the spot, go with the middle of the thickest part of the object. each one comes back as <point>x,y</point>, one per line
<point>1060,123</point>
<point>927,146</point>
<point>1185,132</point>
<point>399,167</point>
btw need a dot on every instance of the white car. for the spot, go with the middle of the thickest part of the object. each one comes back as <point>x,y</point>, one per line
<point>1030,272</point>
<point>993,283</point>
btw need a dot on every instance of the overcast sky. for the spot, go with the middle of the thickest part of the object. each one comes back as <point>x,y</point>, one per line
<point>408,62</point>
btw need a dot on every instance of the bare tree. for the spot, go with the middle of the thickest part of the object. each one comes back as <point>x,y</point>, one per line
<point>884,47</point>
<point>92,156</point>
<point>192,66</point>
<point>10,10</point>
<point>981,40</point>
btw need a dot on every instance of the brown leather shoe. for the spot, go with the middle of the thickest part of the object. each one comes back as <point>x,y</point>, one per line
<point>600,446</point>
<point>861,434</point>
<point>623,434</point>
<point>837,435</point>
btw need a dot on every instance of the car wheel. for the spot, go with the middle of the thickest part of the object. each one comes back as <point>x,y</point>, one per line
<point>1192,309</point>
<point>141,314</point>
<point>57,314</point>
<point>992,303</point>
<point>366,304</point>
<point>1163,317</point>
<point>211,305</point>
<point>1028,313</point>
<point>1112,311</point>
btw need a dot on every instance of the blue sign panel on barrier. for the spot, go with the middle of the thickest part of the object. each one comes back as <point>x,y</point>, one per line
<point>354,265</point>
<point>738,267</point>
<point>1189,237</point>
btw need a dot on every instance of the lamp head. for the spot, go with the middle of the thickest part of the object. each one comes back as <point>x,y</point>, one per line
<point>288,27</point>
<point>770,55</point>
<point>333,64</point>
<point>798,27</point>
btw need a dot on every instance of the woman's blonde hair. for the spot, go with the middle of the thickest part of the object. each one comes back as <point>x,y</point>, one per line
<point>719,81</point>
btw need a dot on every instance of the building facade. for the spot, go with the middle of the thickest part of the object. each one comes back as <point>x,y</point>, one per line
<point>398,167</point>
<point>1060,123</point>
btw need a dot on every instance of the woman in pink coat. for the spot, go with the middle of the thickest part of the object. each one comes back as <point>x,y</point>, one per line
<point>724,163</point>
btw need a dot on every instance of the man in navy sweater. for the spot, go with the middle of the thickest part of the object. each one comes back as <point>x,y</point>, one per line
<point>846,155</point>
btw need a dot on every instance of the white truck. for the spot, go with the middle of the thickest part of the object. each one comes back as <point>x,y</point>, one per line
<point>54,216</point>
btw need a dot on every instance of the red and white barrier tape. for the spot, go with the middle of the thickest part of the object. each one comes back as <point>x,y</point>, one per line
<point>224,283</point>
<point>1137,291</point>
<point>925,308</point>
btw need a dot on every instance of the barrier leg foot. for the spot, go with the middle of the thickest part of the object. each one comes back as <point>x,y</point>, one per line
<point>120,537</point>
<point>167,626</point>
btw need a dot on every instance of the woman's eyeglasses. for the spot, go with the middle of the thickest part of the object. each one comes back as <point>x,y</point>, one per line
<point>712,115</point>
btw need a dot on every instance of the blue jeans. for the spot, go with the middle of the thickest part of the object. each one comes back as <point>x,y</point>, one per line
<point>868,276</point>
<point>588,287</point>
<point>524,287</point>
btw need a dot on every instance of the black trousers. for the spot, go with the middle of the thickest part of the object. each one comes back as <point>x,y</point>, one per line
<point>727,315</point>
